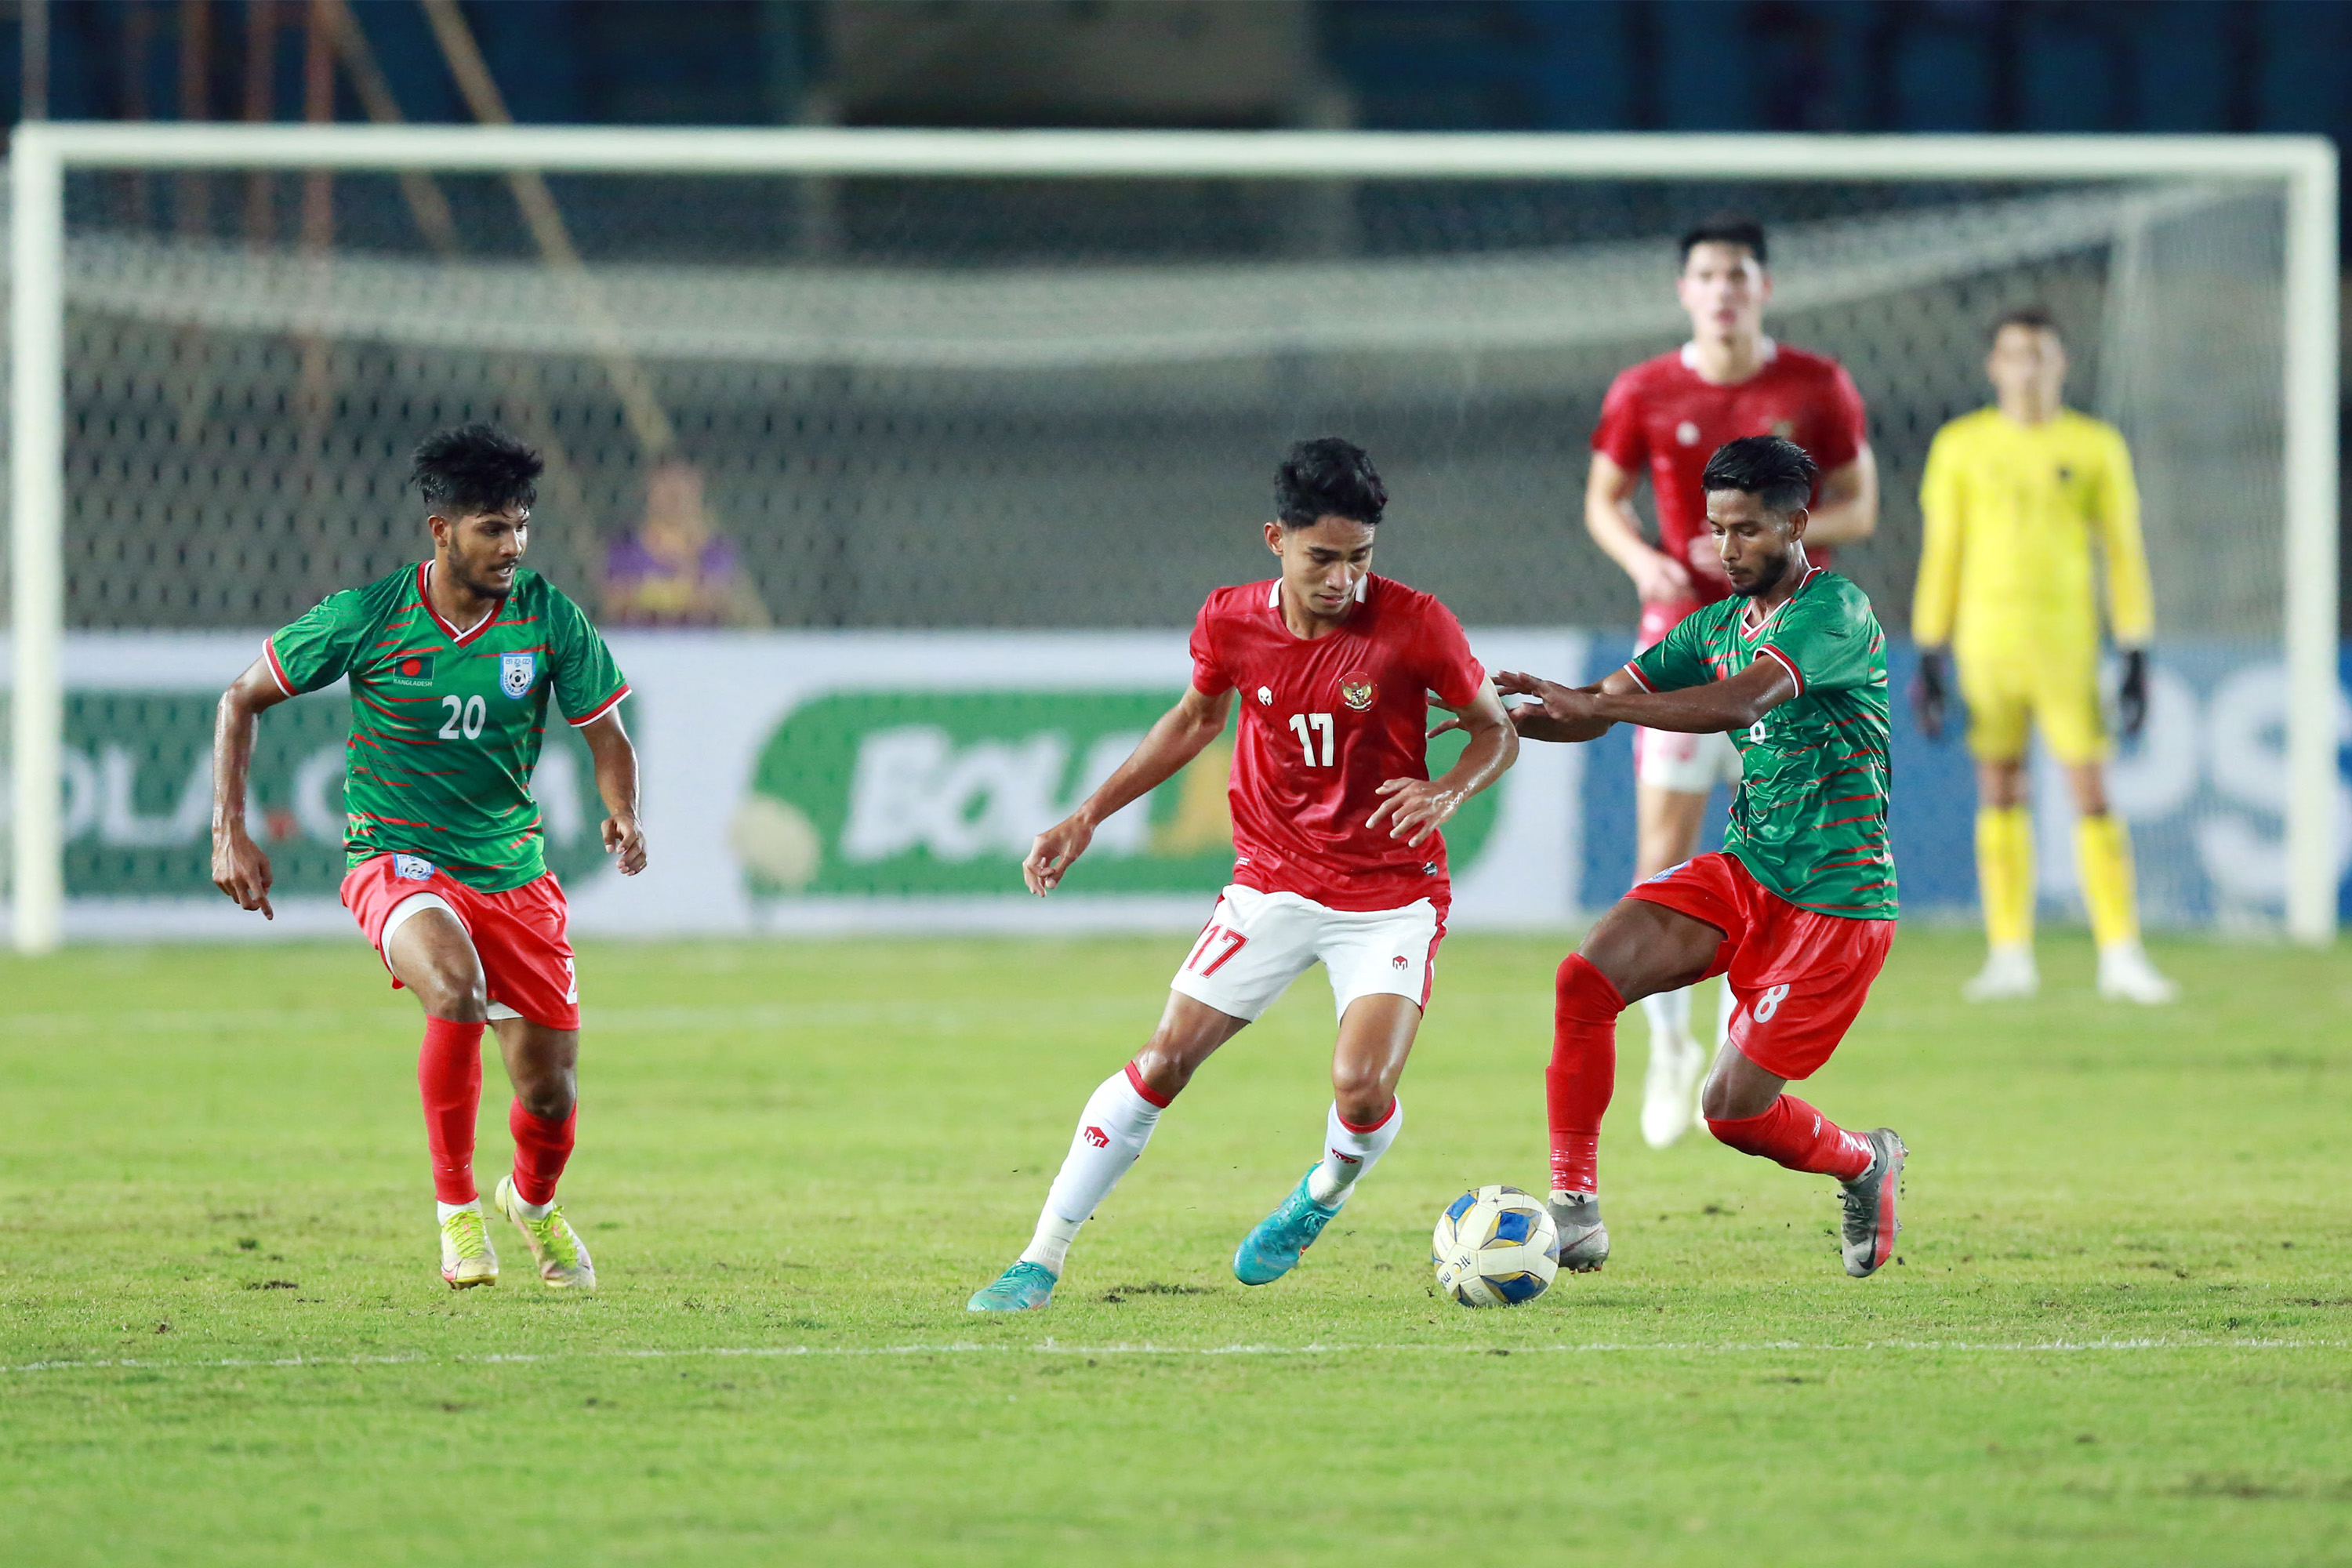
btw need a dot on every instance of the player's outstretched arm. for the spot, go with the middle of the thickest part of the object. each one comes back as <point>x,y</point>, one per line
<point>1528,723</point>
<point>616,782</point>
<point>1610,518</point>
<point>1182,733</point>
<point>1555,713</point>
<point>1710,708</point>
<point>1415,808</point>
<point>240,868</point>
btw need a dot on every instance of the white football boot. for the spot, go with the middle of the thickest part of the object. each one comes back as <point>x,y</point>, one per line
<point>1671,1089</point>
<point>467,1259</point>
<point>1583,1240</point>
<point>555,1246</point>
<point>2126,975</point>
<point>2008,975</point>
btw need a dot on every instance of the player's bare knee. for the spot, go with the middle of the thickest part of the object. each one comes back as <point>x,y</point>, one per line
<point>1164,1068</point>
<point>1362,1094</point>
<point>1728,1098</point>
<point>453,992</point>
<point>550,1099</point>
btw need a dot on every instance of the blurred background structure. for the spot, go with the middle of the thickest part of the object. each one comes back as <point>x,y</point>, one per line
<point>856,539</point>
<point>920,404</point>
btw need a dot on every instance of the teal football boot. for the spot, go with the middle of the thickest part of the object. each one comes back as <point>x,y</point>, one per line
<point>1271,1250</point>
<point>1020,1288</point>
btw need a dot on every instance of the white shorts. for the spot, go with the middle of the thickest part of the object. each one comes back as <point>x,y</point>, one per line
<point>1256,943</point>
<point>1692,765</point>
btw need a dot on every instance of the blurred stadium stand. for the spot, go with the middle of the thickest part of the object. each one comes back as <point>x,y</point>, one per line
<point>1454,65</point>
<point>870,502</point>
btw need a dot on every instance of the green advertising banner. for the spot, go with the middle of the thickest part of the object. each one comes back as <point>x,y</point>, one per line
<point>899,793</point>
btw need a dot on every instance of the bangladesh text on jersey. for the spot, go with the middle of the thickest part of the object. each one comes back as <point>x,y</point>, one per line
<point>1809,820</point>
<point>447,724</point>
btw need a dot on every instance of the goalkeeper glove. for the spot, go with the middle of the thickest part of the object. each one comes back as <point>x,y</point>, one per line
<point>2131,700</point>
<point>1927,693</point>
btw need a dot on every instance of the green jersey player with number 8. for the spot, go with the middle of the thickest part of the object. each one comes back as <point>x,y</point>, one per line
<point>452,665</point>
<point>1797,911</point>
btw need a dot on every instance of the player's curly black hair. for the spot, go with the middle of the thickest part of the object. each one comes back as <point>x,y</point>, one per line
<point>1328,477</point>
<point>1772,468</point>
<point>1724,228</point>
<point>476,469</point>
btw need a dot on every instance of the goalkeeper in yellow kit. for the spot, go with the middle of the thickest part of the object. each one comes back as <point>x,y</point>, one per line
<point>2016,500</point>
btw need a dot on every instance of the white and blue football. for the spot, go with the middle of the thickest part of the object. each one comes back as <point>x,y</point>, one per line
<point>1495,1248</point>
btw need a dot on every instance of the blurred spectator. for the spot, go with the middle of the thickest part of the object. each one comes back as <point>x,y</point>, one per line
<point>674,569</point>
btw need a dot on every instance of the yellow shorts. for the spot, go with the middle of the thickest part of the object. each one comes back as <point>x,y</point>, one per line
<point>2008,697</point>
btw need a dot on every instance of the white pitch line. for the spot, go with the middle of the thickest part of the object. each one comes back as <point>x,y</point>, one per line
<point>1050,1347</point>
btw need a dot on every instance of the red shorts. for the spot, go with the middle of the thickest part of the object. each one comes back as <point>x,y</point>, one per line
<point>1800,977</point>
<point>522,936</point>
<point>1660,616</point>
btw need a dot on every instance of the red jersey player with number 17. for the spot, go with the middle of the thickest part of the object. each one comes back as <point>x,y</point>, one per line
<point>1666,415</point>
<point>1337,851</point>
<point>452,664</point>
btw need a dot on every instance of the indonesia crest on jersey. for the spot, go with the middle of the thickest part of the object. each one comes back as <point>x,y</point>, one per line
<point>1328,719</point>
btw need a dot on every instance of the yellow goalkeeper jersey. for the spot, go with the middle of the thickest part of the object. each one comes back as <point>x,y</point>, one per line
<point>2013,513</point>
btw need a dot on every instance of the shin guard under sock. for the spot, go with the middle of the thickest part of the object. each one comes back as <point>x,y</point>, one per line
<point>449,1079</point>
<point>1112,1131</point>
<point>1350,1152</point>
<point>2103,857</point>
<point>2005,874</point>
<point>1583,1071</point>
<point>1795,1135</point>
<point>542,1147</point>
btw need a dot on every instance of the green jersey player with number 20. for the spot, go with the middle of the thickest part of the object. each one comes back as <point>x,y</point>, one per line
<point>452,664</point>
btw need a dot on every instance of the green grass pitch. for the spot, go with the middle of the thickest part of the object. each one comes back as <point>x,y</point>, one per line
<point>2121,1331</point>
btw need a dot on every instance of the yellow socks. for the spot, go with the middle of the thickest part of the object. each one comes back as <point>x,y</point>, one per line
<point>2005,874</point>
<point>2103,858</point>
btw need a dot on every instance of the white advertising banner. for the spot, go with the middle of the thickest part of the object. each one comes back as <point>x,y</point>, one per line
<point>800,783</point>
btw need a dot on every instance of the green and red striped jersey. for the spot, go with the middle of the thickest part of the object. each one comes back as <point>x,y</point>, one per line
<point>1809,820</point>
<point>447,723</point>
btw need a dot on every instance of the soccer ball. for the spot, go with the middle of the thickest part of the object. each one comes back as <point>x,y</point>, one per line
<point>1494,1248</point>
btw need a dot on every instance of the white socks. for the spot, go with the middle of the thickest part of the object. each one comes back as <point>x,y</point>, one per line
<point>1669,1013</point>
<point>1349,1152</point>
<point>1118,1122</point>
<point>1112,1131</point>
<point>441,1211</point>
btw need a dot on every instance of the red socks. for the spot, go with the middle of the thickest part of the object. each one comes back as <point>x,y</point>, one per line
<point>1583,1071</point>
<point>1799,1137</point>
<point>450,1076</point>
<point>540,1150</point>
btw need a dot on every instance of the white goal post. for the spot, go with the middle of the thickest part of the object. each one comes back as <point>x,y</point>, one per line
<point>43,154</point>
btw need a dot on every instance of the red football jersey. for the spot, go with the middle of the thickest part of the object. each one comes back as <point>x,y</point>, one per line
<point>1325,722</point>
<point>1660,415</point>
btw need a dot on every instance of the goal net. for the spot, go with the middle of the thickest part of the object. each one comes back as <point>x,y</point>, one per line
<point>810,391</point>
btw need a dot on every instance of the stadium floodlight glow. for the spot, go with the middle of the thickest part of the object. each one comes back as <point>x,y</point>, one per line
<point>43,156</point>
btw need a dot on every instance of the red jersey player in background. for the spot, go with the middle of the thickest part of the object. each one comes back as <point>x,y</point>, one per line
<point>1337,850</point>
<point>1665,416</point>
